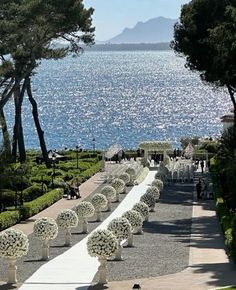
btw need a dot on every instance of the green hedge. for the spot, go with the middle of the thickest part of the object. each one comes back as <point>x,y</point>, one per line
<point>225,218</point>
<point>9,218</point>
<point>33,207</point>
<point>91,171</point>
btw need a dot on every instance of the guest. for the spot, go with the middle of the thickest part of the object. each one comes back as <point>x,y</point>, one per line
<point>199,189</point>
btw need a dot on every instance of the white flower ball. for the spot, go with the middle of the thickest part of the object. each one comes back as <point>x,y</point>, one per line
<point>45,228</point>
<point>102,243</point>
<point>131,172</point>
<point>154,191</point>
<point>142,208</point>
<point>148,199</point>
<point>99,201</point>
<point>134,217</point>
<point>13,243</point>
<point>67,218</point>
<point>84,209</point>
<point>120,227</point>
<point>158,183</point>
<point>125,177</point>
<point>118,184</point>
<point>109,192</point>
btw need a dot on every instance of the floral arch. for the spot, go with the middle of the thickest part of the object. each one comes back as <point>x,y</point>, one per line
<point>160,147</point>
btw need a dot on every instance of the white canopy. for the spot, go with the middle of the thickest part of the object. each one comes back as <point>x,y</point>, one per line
<point>113,150</point>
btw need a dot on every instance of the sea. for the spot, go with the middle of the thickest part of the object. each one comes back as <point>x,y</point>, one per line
<point>123,97</point>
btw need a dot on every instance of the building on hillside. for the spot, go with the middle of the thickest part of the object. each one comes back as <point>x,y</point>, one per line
<point>227,120</point>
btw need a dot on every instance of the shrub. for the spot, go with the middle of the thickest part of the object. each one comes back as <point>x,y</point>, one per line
<point>91,171</point>
<point>34,191</point>
<point>39,178</point>
<point>9,218</point>
<point>33,207</point>
<point>8,197</point>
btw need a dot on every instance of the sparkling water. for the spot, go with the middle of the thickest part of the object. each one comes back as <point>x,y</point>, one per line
<point>120,97</point>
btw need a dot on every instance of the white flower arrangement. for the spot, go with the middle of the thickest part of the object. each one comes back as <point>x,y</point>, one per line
<point>131,171</point>
<point>149,199</point>
<point>118,184</point>
<point>102,243</point>
<point>13,243</point>
<point>99,201</point>
<point>134,217</point>
<point>84,209</point>
<point>109,192</point>
<point>142,176</point>
<point>125,177</point>
<point>67,218</point>
<point>45,228</point>
<point>143,209</point>
<point>158,183</point>
<point>120,227</point>
<point>167,160</point>
<point>154,191</point>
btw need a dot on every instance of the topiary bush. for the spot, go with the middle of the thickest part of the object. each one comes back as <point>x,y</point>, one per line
<point>34,191</point>
<point>8,197</point>
<point>33,207</point>
<point>9,218</point>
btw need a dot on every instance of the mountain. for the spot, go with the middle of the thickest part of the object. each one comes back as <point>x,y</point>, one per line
<point>155,30</point>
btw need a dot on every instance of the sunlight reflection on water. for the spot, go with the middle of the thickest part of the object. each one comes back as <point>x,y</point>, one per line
<point>123,97</point>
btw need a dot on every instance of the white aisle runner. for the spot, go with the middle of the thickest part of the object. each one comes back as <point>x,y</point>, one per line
<point>75,269</point>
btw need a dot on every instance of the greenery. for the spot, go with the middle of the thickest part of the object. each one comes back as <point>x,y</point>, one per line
<point>223,171</point>
<point>186,140</point>
<point>9,218</point>
<point>205,34</point>
<point>28,29</point>
<point>33,207</point>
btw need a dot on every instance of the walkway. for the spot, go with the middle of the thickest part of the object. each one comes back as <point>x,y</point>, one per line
<point>86,188</point>
<point>209,266</point>
<point>75,269</point>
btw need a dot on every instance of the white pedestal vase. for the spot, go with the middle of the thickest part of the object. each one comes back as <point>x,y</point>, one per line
<point>130,241</point>
<point>11,271</point>
<point>84,226</point>
<point>117,197</point>
<point>108,205</point>
<point>102,270</point>
<point>152,208</point>
<point>118,256</point>
<point>67,237</point>
<point>45,250</point>
<point>139,231</point>
<point>99,215</point>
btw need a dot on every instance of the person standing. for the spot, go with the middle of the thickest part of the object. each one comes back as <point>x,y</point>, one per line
<point>199,189</point>
<point>202,165</point>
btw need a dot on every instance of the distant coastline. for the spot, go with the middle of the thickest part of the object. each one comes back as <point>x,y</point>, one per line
<point>129,47</point>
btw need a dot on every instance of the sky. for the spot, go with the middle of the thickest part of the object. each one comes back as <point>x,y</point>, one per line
<point>112,16</point>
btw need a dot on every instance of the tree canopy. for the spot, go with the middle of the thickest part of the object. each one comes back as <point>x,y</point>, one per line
<point>28,31</point>
<point>206,35</point>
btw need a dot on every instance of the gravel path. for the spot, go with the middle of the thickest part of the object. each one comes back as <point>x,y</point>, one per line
<point>27,265</point>
<point>164,247</point>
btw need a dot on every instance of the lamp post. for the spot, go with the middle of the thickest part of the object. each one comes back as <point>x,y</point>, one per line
<point>53,168</point>
<point>94,143</point>
<point>77,156</point>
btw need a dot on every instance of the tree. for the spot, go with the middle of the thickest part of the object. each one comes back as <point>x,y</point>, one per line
<point>206,35</point>
<point>29,29</point>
